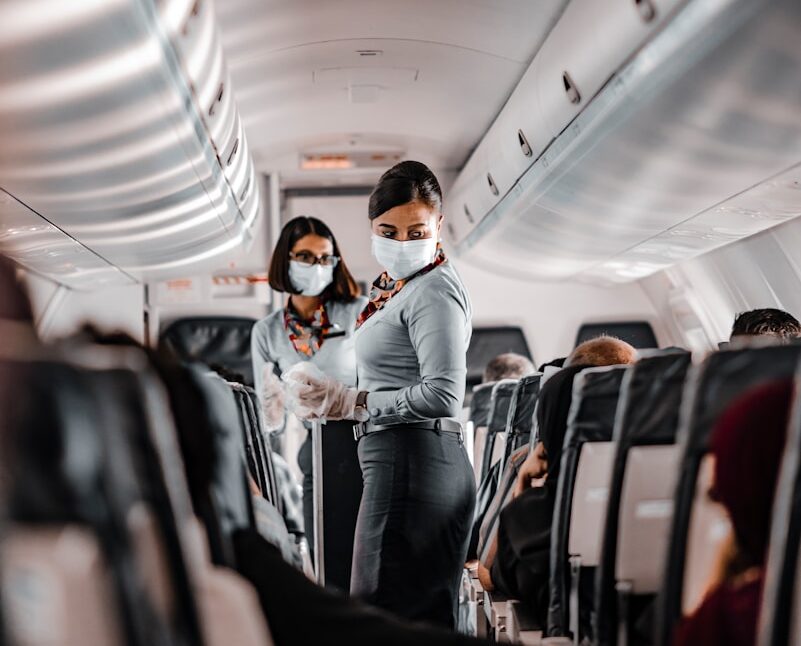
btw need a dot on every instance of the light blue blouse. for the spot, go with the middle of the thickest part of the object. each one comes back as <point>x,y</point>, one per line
<point>270,345</point>
<point>412,354</point>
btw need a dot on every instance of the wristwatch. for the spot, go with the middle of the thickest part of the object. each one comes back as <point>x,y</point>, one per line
<point>360,411</point>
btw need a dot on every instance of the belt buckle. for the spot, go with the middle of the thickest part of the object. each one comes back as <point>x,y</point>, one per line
<point>359,431</point>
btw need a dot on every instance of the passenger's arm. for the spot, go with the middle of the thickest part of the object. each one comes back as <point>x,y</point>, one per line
<point>436,323</point>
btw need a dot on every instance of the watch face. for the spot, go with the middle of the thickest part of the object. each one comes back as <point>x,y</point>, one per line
<point>361,414</point>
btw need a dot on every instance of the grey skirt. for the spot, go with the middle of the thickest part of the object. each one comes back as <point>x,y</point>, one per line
<point>414,523</point>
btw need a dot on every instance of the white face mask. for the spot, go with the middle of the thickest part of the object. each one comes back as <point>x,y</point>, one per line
<point>310,280</point>
<point>402,259</point>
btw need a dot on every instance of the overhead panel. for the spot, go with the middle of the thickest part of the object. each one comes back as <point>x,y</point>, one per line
<point>119,128</point>
<point>356,76</point>
<point>691,141</point>
<point>37,245</point>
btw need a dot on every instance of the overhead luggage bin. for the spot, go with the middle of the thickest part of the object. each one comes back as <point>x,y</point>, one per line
<point>590,42</point>
<point>509,147</point>
<point>681,142</point>
<point>120,130</point>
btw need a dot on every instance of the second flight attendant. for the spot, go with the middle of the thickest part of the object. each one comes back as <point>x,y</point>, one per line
<point>316,326</point>
<point>411,345</point>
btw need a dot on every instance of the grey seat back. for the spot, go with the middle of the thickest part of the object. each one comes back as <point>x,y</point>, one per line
<point>591,419</point>
<point>640,500</point>
<point>646,507</point>
<point>500,404</point>
<point>710,390</point>
<point>780,618</point>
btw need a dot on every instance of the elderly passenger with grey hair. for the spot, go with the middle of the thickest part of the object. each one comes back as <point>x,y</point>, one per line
<point>509,365</point>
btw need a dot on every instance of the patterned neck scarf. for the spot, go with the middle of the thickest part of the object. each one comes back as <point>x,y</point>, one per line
<point>307,336</point>
<point>384,287</point>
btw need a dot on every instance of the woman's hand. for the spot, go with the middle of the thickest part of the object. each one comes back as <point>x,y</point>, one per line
<point>273,401</point>
<point>314,395</point>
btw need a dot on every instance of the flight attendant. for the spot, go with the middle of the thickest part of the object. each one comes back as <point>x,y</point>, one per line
<point>411,344</point>
<point>316,326</point>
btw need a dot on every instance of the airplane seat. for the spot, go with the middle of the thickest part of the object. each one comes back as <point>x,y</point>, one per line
<point>213,340</point>
<point>225,604</point>
<point>477,418</point>
<point>70,565</point>
<point>712,387</point>
<point>501,400</point>
<point>229,505</point>
<point>640,492</point>
<point>590,498</point>
<point>780,616</point>
<point>488,528</point>
<point>591,419</point>
<point>520,420</point>
<point>228,604</point>
<point>522,414</point>
<point>707,530</point>
<point>258,454</point>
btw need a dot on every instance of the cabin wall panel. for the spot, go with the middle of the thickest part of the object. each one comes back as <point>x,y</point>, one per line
<point>60,311</point>
<point>551,313</point>
<point>761,271</point>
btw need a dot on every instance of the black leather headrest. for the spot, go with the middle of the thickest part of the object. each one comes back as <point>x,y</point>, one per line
<point>214,340</point>
<point>221,413</point>
<point>502,395</point>
<point>651,398</point>
<point>525,403</point>
<point>480,403</point>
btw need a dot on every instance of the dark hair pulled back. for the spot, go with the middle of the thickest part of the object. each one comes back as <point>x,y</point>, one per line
<point>408,181</point>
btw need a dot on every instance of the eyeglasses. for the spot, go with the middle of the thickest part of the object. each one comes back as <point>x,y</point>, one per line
<point>310,259</point>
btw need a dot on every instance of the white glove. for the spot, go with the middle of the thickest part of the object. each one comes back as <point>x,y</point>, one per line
<point>273,402</point>
<point>314,395</point>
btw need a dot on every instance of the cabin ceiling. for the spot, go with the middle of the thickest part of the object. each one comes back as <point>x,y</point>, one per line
<point>420,78</point>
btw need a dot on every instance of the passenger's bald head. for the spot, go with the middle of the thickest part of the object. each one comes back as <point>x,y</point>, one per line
<point>603,351</point>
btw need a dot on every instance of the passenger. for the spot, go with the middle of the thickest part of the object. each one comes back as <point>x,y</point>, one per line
<point>411,347</point>
<point>316,325</point>
<point>602,351</point>
<point>509,365</point>
<point>747,445</point>
<point>766,322</point>
<point>521,564</point>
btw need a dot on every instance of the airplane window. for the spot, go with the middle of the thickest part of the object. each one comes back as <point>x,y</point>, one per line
<point>487,343</point>
<point>640,334</point>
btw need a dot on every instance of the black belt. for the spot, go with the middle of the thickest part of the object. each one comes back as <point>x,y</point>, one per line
<point>438,425</point>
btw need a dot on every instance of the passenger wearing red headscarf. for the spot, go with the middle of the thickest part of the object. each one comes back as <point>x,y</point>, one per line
<point>747,445</point>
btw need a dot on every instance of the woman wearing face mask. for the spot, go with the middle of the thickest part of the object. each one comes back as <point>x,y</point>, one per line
<point>411,344</point>
<point>315,327</point>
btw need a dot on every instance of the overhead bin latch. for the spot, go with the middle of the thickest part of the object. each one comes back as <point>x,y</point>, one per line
<point>646,9</point>
<point>570,88</point>
<point>492,186</point>
<point>524,145</point>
